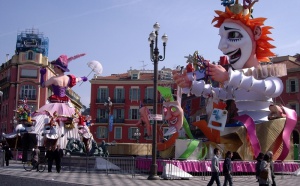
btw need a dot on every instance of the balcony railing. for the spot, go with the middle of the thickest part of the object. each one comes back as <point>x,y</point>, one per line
<point>101,100</point>
<point>101,120</point>
<point>148,101</point>
<point>119,120</point>
<point>118,101</point>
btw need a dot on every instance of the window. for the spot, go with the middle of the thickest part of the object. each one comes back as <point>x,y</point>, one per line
<point>134,94</point>
<point>292,85</point>
<point>101,132</point>
<point>119,113</point>
<point>30,55</point>
<point>294,106</point>
<point>28,73</point>
<point>134,114</point>
<point>131,132</point>
<point>28,91</point>
<point>101,115</point>
<point>134,76</point>
<point>149,93</point>
<point>103,94</point>
<point>119,93</point>
<point>118,133</point>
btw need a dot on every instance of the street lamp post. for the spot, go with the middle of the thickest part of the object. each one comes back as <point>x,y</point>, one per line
<point>108,105</point>
<point>155,58</point>
<point>137,135</point>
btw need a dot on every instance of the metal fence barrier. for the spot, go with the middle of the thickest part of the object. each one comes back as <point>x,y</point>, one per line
<point>168,169</point>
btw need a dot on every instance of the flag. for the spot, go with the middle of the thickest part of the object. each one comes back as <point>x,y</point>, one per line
<point>111,120</point>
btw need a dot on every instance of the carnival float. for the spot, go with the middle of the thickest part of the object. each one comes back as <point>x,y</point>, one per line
<point>58,122</point>
<point>244,81</point>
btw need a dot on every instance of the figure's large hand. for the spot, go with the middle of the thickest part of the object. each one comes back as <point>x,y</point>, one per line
<point>84,79</point>
<point>181,80</point>
<point>43,71</point>
<point>217,72</point>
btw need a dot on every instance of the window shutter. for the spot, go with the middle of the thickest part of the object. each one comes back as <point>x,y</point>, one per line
<point>297,108</point>
<point>115,93</point>
<point>122,113</point>
<point>99,93</point>
<point>297,85</point>
<point>98,113</point>
<point>130,133</point>
<point>107,92</point>
<point>115,113</point>
<point>146,93</point>
<point>130,114</point>
<point>288,85</point>
<point>98,132</point>
<point>138,96</point>
<point>123,94</point>
<point>130,94</point>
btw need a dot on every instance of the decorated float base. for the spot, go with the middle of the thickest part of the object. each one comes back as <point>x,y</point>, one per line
<point>130,149</point>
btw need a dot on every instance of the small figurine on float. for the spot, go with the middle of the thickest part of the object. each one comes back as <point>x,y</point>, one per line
<point>250,81</point>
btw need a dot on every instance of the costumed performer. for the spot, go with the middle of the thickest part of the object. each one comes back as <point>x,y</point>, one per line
<point>249,83</point>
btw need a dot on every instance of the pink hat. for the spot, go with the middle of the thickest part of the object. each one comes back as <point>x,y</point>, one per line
<point>62,61</point>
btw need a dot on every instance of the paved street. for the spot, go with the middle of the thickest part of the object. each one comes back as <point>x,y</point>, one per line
<point>16,175</point>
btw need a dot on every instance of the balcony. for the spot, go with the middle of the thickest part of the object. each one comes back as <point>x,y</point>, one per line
<point>148,101</point>
<point>101,120</point>
<point>119,120</point>
<point>118,101</point>
<point>101,100</point>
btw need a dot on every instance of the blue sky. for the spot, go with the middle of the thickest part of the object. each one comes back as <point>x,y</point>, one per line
<point>115,32</point>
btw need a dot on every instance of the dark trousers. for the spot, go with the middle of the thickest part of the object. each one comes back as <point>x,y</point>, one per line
<point>7,162</point>
<point>228,179</point>
<point>214,177</point>
<point>58,165</point>
<point>50,165</point>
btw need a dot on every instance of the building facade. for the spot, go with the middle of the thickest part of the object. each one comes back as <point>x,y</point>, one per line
<point>127,92</point>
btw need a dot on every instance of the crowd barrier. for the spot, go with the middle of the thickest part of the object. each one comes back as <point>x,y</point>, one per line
<point>198,169</point>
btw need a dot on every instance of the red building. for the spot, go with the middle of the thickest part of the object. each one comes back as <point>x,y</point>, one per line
<point>127,92</point>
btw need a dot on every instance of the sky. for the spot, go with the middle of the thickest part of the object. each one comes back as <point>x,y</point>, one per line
<point>115,32</point>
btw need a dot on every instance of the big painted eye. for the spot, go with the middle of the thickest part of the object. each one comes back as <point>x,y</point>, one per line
<point>234,36</point>
<point>173,109</point>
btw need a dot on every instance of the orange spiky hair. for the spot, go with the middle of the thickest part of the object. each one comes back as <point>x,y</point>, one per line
<point>263,46</point>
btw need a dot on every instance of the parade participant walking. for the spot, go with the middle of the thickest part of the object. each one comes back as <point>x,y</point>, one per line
<point>265,178</point>
<point>58,154</point>
<point>270,153</point>
<point>257,165</point>
<point>49,157</point>
<point>8,154</point>
<point>215,170</point>
<point>227,168</point>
